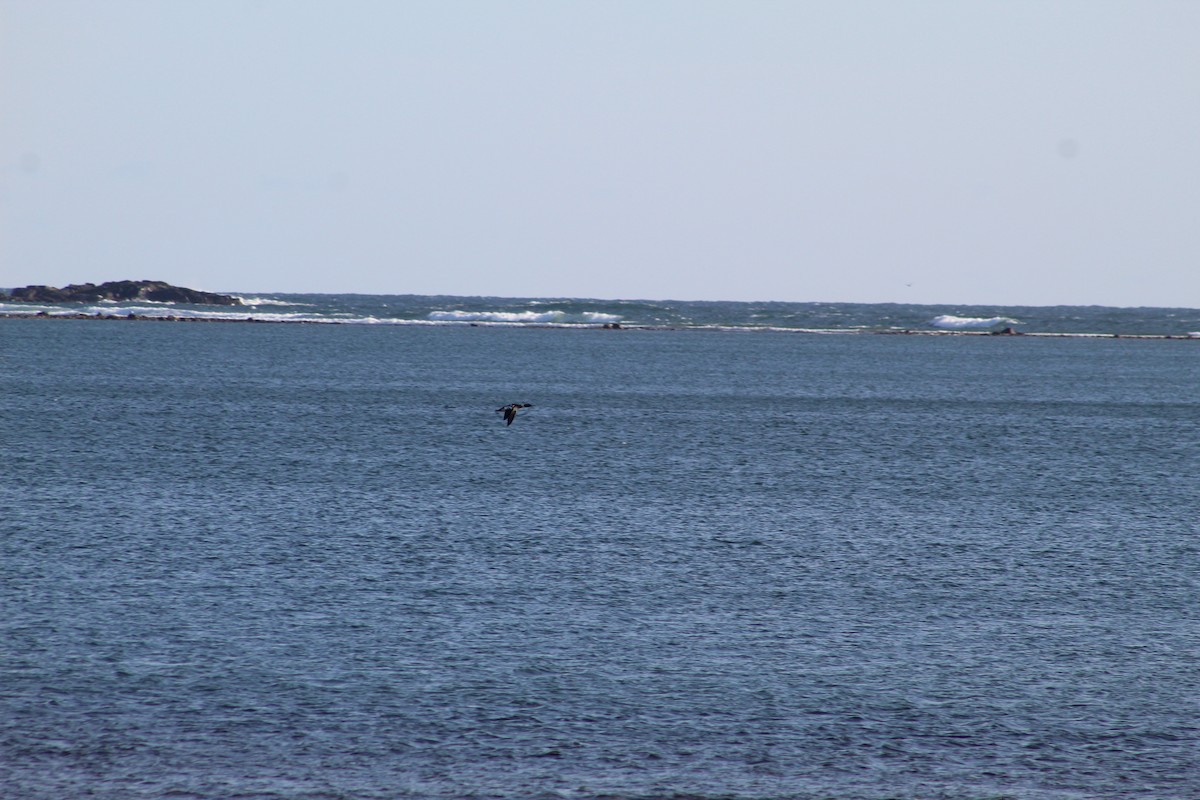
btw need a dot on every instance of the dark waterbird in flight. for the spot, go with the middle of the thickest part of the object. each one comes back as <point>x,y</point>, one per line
<point>510,411</point>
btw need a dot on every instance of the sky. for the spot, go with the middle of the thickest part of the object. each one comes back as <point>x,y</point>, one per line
<point>916,151</point>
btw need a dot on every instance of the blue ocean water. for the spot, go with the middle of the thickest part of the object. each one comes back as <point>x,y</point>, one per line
<point>311,562</point>
<point>574,313</point>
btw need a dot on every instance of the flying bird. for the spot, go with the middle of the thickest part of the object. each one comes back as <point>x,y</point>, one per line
<point>510,411</point>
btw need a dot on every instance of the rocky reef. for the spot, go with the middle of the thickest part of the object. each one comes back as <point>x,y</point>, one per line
<point>118,291</point>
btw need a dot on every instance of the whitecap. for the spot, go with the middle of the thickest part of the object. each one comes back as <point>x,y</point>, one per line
<point>268,301</point>
<point>548,317</point>
<point>28,309</point>
<point>168,311</point>
<point>952,323</point>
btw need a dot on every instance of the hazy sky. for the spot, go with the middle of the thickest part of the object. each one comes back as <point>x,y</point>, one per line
<point>945,152</point>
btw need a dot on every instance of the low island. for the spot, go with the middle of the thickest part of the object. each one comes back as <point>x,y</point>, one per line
<point>118,291</point>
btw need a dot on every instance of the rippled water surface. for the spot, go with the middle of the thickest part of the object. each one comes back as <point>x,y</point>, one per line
<point>450,311</point>
<point>274,561</point>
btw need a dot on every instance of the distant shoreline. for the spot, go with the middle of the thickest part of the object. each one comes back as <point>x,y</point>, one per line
<point>1009,334</point>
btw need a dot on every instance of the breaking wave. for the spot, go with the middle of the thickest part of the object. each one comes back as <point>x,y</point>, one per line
<point>268,301</point>
<point>550,317</point>
<point>949,322</point>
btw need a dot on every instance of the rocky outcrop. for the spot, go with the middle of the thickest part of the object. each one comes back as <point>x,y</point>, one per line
<point>119,291</point>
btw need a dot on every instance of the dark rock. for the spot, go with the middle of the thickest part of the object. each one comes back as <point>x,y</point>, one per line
<point>38,294</point>
<point>118,291</point>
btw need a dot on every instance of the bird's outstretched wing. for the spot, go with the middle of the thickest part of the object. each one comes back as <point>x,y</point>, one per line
<point>510,411</point>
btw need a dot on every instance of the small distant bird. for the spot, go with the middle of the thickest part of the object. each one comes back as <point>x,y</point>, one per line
<point>510,411</point>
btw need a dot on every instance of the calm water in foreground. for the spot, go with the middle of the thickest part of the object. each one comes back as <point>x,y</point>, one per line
<point>311,562</point>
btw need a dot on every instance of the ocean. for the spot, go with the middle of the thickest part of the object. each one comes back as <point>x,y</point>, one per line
<point>732,551</point>
<point>446,311</point>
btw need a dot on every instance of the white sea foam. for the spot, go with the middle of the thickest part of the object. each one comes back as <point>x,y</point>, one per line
<point>26,309</point>
<point>268,301</point>
<point>950,322</point>
<point>550,317</point>
<point>157,311</point>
